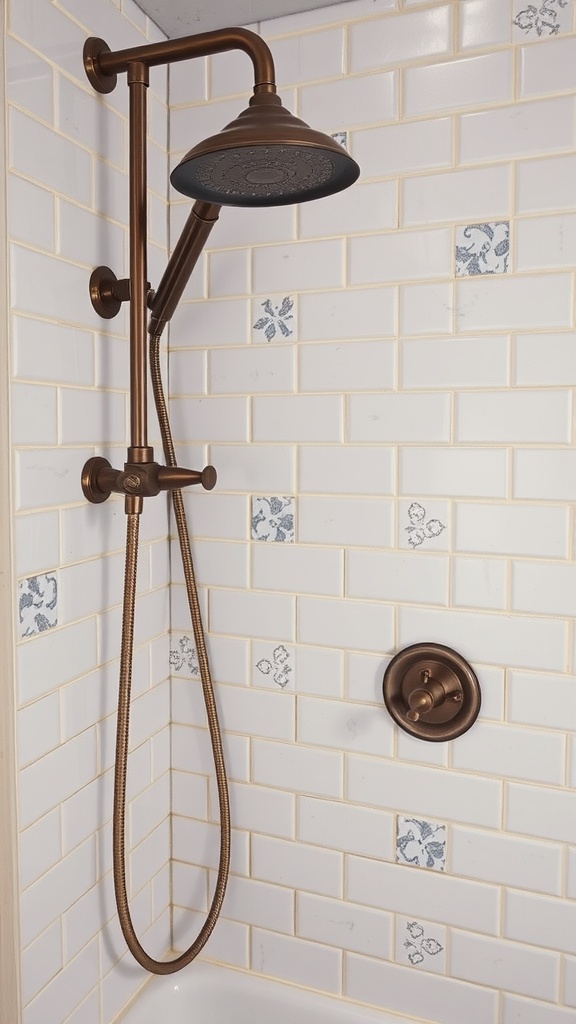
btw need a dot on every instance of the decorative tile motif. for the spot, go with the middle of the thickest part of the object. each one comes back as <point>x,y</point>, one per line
<point>421,945</point>
<point>277,667</point>
<point>543,18</point>
<point>420,528</point>
<point>482,249</point>
<point>37,604</point>
<point>277,320</point>
<point>342,138</point>
<point>273,519</point>
<point>422,843</point>
<point>183,657</point>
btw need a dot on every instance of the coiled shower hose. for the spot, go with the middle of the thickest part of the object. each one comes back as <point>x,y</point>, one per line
<point>123,726</point>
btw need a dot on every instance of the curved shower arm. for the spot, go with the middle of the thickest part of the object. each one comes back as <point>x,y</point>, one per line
<point>102,65</point>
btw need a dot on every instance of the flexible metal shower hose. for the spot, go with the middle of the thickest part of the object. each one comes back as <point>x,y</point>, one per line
<point>122,735</point>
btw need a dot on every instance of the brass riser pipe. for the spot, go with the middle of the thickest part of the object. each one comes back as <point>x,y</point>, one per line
<point>123,723</point>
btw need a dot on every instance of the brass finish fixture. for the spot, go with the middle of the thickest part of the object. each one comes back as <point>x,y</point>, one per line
<point>432,692</point>
<point>266,157</point>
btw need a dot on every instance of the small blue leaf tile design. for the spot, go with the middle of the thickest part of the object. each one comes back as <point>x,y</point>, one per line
<point>277,667</point>
<point>273,519</point>
<point>421,945</point>
<point>37,604</point>
<point>482,249</point>
<point>543,18</point>
<point>421,528</point>
<point>277,319</point>
<point>342,138</point>
<point>421,843</point>
<point>183,656</point>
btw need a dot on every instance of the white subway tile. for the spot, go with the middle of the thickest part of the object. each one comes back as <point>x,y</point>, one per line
<point>251,370</point>
<point>516,416</point>
<point>259,809</point>
<point>426,308</point>
<point>210,567</point>
<point>546,588</point>
<point>39,847</point>
<point>545,359</point>
<point>513,303</point>
<point>49,31</point>
<point>187,372</point>
<point>34,417</point>
<point>454,362</point>
<point>537,811</point>
<point>190,886</point>
<point>188,81</point>
<point>543,922</point>
<point>265,468</point>
<point>309,57</point>
<point>257,614</point>
<point>512,753</point>
<point>254,226</point>
<point>319,671</point>
<point>545,242</point>
<point>512,529</point>
<point>219,515</point>
<point>505,965</point>
<point>211,418</point>
<point>344,726</point>
<point>297,865</point>
<point>40,961</point>
<point>55,657</point>
<point>545,701</point>
<point>396,149</point>
<point>48,898</point>
<point>507,860</point>
<point>298,570</point>
<point>484,23</point>
<point>344,925</point>
<point>404,418</point>
<point>192,752</point>
<point>60,288</point>
<point>350,102</point>
<point>297,418</point>
<point>346,470</point>
<point>479,582</point>
<point>259,904</point>
<point>38,727</point>
<point>31,215</point>
<point>386,985</point>
<point>395,576</point>
<point>344,827</point>
<point>86,237</point>
<point>91,417</point>
<point>527,129</point>
<point>64,167</point>
<point>470,472</point>
<point>325,520</point>
<point>298,768</point>
<point>357,366</point>
<point>210,322</point>
<point>533,192</point>
<point>376,43</point>
<point>324,16</point>
<point>548,69</point>
<point>350,313</point>
<point>546,474</point>
<point>29,80</point>
<point>454,795</point>
<point>468,82</point>
<point>52,352</point>
<point>228,274</point>
<point>229,943</point>
<point>528,1011</point>
<point>77,114</point>
<point>298,266</point>
<point>465,196</point>
<point>369,206</point>
<point>348,624</point>
<point>400,256</point>
<point>525,642</point>
<point>430,894</point>
<point>259,712</point>
<point>295,960</point>
<point>190,124</point>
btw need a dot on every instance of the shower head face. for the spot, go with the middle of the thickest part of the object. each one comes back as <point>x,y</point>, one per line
<point>266,157</point>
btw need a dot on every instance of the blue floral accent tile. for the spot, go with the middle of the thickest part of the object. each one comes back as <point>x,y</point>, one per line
<point>482,249</point>
<point>274,319</point>
<point>421,843</point>
<point>37,604</point>
<point>273,665</point>
<point>183,656</point>
<point>342,138</point>
<point>273,519</point>
<point>542,18</point>
<point>421,944</point>
<point>421,527</point>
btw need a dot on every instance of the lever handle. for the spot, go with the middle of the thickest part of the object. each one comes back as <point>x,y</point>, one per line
<point>171,478</point>
<point>431,694</point>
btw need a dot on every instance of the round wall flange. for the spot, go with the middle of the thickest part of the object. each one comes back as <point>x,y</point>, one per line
<point>91,487</point>
<point>106,292</point>
<point>93,47</point>
<point>432,692</point>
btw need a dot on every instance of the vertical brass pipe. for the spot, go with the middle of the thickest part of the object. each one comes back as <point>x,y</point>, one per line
<point>138,78</point>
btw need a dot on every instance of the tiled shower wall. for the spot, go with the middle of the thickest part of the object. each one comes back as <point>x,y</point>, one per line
<point>384,381</point>
<point>68,208</point>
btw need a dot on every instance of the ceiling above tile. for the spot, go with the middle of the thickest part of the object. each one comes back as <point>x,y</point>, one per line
<point>184,17</point>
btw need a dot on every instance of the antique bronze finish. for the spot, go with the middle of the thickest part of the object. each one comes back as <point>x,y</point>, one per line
<point>432,692</point>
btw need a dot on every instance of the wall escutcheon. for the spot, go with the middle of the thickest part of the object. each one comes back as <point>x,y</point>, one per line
<point>432,692</point>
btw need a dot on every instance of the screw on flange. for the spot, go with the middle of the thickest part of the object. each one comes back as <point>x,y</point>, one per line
<point>131,483</point>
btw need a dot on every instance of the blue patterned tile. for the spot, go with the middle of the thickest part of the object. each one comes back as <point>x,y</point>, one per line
<point>342,138</point>
<point>273,665</point>
<point>482,249</point>
<point>421,944</point>
<point>183,656</point>
<point>274,319</point>
<point>542,18</point>
<point>37,604</point>
<point>422,526</point>
<point>273,519</point>
<point>421,843</point>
